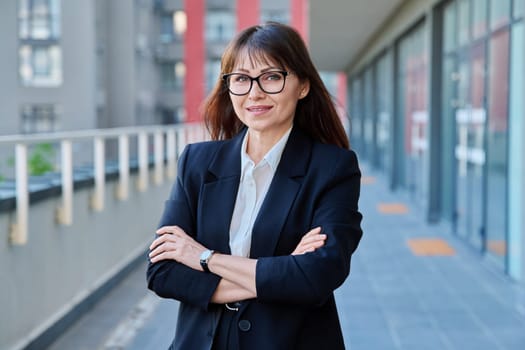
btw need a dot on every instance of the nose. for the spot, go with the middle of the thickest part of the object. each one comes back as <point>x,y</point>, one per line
<point>255,91</point>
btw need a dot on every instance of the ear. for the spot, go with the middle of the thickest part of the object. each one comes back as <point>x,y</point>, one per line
<point>305,89</point>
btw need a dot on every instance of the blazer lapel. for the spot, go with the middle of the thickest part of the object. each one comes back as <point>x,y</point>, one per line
<point>218,195</point>
<point>281,194</point>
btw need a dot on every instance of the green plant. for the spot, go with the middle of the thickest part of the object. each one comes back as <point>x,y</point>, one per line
<point>41,159</point>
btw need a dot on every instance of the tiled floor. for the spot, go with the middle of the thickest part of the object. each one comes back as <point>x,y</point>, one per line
<point>412,286</point>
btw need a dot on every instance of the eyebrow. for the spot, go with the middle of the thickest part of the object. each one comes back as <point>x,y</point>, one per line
<point>262,70</point>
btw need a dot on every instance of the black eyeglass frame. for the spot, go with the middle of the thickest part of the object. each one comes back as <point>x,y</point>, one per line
<point>283,72</point>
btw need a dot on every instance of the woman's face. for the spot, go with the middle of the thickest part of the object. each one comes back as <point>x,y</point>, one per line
<point>270,115</point>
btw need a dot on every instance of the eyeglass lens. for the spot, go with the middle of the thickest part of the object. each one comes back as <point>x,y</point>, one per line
<point>269,82</point>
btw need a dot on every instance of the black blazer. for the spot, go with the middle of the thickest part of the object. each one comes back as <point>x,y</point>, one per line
<point>314,185</point>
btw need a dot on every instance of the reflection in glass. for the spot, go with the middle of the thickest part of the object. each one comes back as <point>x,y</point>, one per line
<point>449,27</point>
<point>368,115</point>
<point>519,8</point>
<point>497,140</point>
<point>463,22</point>
<point>384,112</point>
<point>413,68</point>
<point>479,20</point>
<point>499,13</point>
<point>356,117</point>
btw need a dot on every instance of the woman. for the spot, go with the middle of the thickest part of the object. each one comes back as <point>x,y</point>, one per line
<point>232,246</point>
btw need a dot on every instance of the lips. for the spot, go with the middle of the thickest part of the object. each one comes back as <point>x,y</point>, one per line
<point>258,109</point>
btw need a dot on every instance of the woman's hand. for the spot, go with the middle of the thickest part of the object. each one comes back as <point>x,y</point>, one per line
<point>312,240</point>
<point>175,244</point>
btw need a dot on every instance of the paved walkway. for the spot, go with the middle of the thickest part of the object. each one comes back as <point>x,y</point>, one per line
<point>412,286</point>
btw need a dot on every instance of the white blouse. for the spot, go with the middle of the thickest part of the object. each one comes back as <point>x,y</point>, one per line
<point>253,186</point>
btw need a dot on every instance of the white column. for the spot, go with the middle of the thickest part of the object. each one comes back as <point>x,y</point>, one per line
<point>142,183</point>
<point>65,212</point>
<point>18,234</point>
<point>97,201</point>
<point>171,154</point>
<point>159,156</point>
<point>123,166</point>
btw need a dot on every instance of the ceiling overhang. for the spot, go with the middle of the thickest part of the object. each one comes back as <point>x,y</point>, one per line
<point>340,29</point>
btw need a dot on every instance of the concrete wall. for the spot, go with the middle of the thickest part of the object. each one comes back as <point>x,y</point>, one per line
<point>121,64</point>
<point>9,114</point>
<point>61,265</point>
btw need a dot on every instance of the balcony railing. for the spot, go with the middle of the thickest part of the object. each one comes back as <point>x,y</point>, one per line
<point>168,143</point>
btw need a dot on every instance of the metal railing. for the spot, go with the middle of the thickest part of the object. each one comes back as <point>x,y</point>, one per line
<point>168,143</point>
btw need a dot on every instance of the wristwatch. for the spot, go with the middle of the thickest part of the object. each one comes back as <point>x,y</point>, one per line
<point>205,258</point>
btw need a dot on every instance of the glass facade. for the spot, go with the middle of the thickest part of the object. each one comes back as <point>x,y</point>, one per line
<point>383,123</point>
<point>499,13</point>
<point>497,141</point>
<point>478,94</point>
<point>516,167</point>
<point>356,119</point>
<point>413,111</point>
<point>519,8</point>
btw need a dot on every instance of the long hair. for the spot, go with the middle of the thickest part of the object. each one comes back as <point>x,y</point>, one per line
<point>315,114</point>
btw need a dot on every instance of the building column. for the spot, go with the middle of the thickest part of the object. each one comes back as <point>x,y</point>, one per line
<point>299,17</point>
<point>194,59</point>
<point>248,13</point>
<point>516,168</point>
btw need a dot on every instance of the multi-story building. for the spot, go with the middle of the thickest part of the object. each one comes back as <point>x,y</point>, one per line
<point>96,64</point>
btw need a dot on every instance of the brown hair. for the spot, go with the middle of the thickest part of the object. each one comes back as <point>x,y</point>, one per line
<point>315,114</point>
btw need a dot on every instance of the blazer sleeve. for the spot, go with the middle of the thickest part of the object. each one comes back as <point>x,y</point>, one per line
<point>170,279</point>
<point>312,277</point>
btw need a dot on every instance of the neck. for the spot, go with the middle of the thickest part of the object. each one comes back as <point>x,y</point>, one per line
<point>259,144</point>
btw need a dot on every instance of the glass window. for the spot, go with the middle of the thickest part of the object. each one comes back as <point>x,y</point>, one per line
<point>368,115</point>
<point>519,8</point>
<point>280,16</point>
<point>463,22</point>
<point>173,115</point>
<point>356,115</point>
<point>166,28</point>
<point>40,56</point>
<point>497,140</point>
<point>172,26</point>
<point>516,266</point>
<point>449,27</point>
<point>172,75</point>
<point>39,118</point>
<point>499,13</point>
<point>220,26</point>
<point>479,18</point>
<point>414,111</point>
<point>384,111</point>
<point>40,65</point>
<point>213,71</point>
<point>39,19</point>
<point>180,23</point>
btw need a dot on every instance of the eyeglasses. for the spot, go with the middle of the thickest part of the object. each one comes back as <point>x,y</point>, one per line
<point>270,82</point>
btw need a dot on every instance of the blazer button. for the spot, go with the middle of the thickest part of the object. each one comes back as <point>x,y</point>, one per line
<point>245,325</point>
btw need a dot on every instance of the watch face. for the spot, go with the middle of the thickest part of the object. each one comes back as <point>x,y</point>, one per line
<point>205,255</point>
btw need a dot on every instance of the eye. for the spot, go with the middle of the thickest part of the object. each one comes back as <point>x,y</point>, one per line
<point>240,78</point>
<point>272,76</point>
